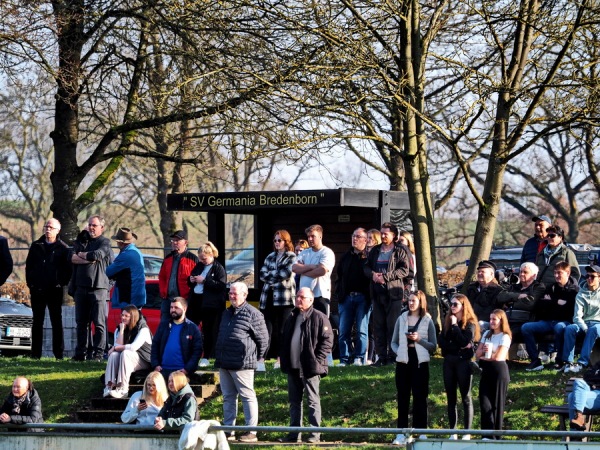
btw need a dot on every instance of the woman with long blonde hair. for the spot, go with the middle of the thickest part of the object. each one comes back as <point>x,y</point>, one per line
<point>144,405</point>
<point>460,331</point>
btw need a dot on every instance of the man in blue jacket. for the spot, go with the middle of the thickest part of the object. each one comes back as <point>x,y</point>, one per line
<point>128,272</point>
<point>177,344</point>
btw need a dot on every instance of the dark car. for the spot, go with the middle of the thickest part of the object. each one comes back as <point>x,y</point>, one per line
<point>16,320</point>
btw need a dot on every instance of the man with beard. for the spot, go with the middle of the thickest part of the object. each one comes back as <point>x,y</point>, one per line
<point>177,344</point>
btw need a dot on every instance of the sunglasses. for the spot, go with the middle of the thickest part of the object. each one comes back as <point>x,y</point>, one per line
<point>277,240</point>
<point>552,235</point>
<point>454,304</point>
<point>591,275</point>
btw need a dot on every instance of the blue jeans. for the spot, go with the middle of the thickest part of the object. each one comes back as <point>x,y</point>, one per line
<point>583,398</point>
<point>353,309</point>
<point>530,329</point>
<point>571,333</point>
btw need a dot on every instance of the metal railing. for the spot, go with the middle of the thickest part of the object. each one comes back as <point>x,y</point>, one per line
<point>110,428</point>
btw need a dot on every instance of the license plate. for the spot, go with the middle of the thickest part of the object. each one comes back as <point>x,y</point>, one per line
<point>18,332</point>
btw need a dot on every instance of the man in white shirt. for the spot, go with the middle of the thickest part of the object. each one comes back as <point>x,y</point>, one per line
<point>314,265</point>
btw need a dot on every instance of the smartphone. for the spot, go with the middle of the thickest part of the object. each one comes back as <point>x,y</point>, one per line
<point>142,401</point>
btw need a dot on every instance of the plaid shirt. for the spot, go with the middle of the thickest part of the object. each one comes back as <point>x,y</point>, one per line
<point>277,275</point>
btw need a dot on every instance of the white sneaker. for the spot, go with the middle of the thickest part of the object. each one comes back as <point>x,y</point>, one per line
<point>466,437</point>
<point>260,367</point>
<point>358,362</point>
<point>400,440</point>
<point>575,368</point>
<point>453,437</point>
<point>106,392</point>
<point>277,365</point>
<point>120,392</point>
<point>342,364</point>
<point>204,362</point>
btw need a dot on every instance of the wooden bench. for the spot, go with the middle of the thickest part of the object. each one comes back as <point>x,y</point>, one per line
<point>563,412</point>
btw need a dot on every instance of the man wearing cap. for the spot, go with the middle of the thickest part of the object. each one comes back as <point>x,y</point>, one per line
<point>586,320</point>
<point>537,243</point>
<point>174,276</point>
<point>483,293</point>
<point>553,253</point>
<point>128,271</point>
<point>91,290</point>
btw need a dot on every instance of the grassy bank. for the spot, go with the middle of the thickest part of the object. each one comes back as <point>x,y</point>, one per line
<point>351,396</point>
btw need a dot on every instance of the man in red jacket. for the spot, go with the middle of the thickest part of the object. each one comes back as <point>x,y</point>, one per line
<point>174,275</point>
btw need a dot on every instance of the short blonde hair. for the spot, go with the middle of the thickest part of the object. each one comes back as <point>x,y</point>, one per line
<point>208,249</point>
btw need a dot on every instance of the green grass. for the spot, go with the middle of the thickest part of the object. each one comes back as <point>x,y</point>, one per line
<point>350,396</point>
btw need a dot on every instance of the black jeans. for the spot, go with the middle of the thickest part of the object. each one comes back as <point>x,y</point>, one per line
<point>275,317</point>
<point>412,378</point>
<point>90,307</point>
<point>51,298</point>
<point>458,375</point>
<point>385,314</point>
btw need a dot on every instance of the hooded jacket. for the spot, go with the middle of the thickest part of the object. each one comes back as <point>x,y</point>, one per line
<point>180,408</point>
<point>587,306</point>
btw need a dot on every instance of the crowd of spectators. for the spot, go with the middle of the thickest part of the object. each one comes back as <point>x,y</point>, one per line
<point>383,320</point>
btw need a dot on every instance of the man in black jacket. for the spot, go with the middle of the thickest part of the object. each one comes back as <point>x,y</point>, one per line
<point>553,312</point>
<point>47,270</point>
<point>243,339</point>
<point>307,339</point>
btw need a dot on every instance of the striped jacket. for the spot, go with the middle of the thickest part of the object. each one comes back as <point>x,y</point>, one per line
<point>279,277</point>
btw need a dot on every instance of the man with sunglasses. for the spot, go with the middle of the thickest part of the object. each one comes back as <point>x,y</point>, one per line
<point>553,253</point>
<point>586,321</point>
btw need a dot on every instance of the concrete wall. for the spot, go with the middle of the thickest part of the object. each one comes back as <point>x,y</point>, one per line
<point>60,441</point>
<point>69,327</point>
